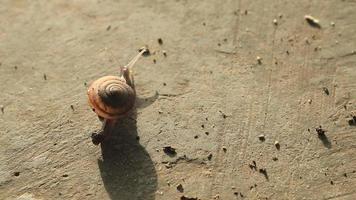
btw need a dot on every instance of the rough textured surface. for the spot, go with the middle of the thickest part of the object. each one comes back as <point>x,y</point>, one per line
<point>214,101</point>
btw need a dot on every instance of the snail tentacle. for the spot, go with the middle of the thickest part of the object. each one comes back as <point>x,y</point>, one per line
<point>126,71</point>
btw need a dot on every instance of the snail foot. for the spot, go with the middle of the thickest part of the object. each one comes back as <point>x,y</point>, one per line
<point>97,138</point>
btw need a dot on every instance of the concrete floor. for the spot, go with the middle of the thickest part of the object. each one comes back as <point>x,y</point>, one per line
<point>214,99</point>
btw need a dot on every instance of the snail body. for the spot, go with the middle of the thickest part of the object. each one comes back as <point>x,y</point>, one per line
<point>113,97</point>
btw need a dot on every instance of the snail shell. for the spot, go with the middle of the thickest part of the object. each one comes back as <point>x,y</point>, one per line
<point>111,97</point>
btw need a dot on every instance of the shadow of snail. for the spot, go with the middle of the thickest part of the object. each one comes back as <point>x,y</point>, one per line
<point>126,168</point>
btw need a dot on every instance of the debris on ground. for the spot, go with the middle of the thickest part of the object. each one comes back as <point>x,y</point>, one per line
<point>326,90</point>
<point>275,22</point>
<point>264,172</point>
<point>180,188</point>
<point>312,21</point>
<point>262,138</point>
<point>321,135</point>
<point>223,114</point>
<point>188,198</point>
<point>169,150</point>
<point>224,148</point>
<point>253,166</point>
<point>210,156</point>
<point>320,131</point>
<point>277,145</point>
<point>352,122</point>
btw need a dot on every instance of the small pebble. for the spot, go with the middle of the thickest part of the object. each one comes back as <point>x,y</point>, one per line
<point>180,188</point>
<point>108,28</point>
<point>169,150</point>
<point>44,76</point>
<point>259,60</point>
<point>275,22</point>
<point>72,107</point>
<point>16,173</point>
<point>2,108</point>
<point>160,41</point>
<point>196,137</point>
<point>210,156</point>
<point>277,145</point>
<point>326,90</point>
<point>312,21</point>
<point>332,24</point>
<point>154,61</point>
<point>164,53</point>
<point>224,148</point>
<point>320,131</point>
<point>261,137</point>
<point>188,198</point>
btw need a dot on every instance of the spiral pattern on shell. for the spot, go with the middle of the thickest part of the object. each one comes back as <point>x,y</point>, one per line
<point>110,97</point>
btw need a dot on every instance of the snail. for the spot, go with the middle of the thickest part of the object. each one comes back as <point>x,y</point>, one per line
<point>113,97</point>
